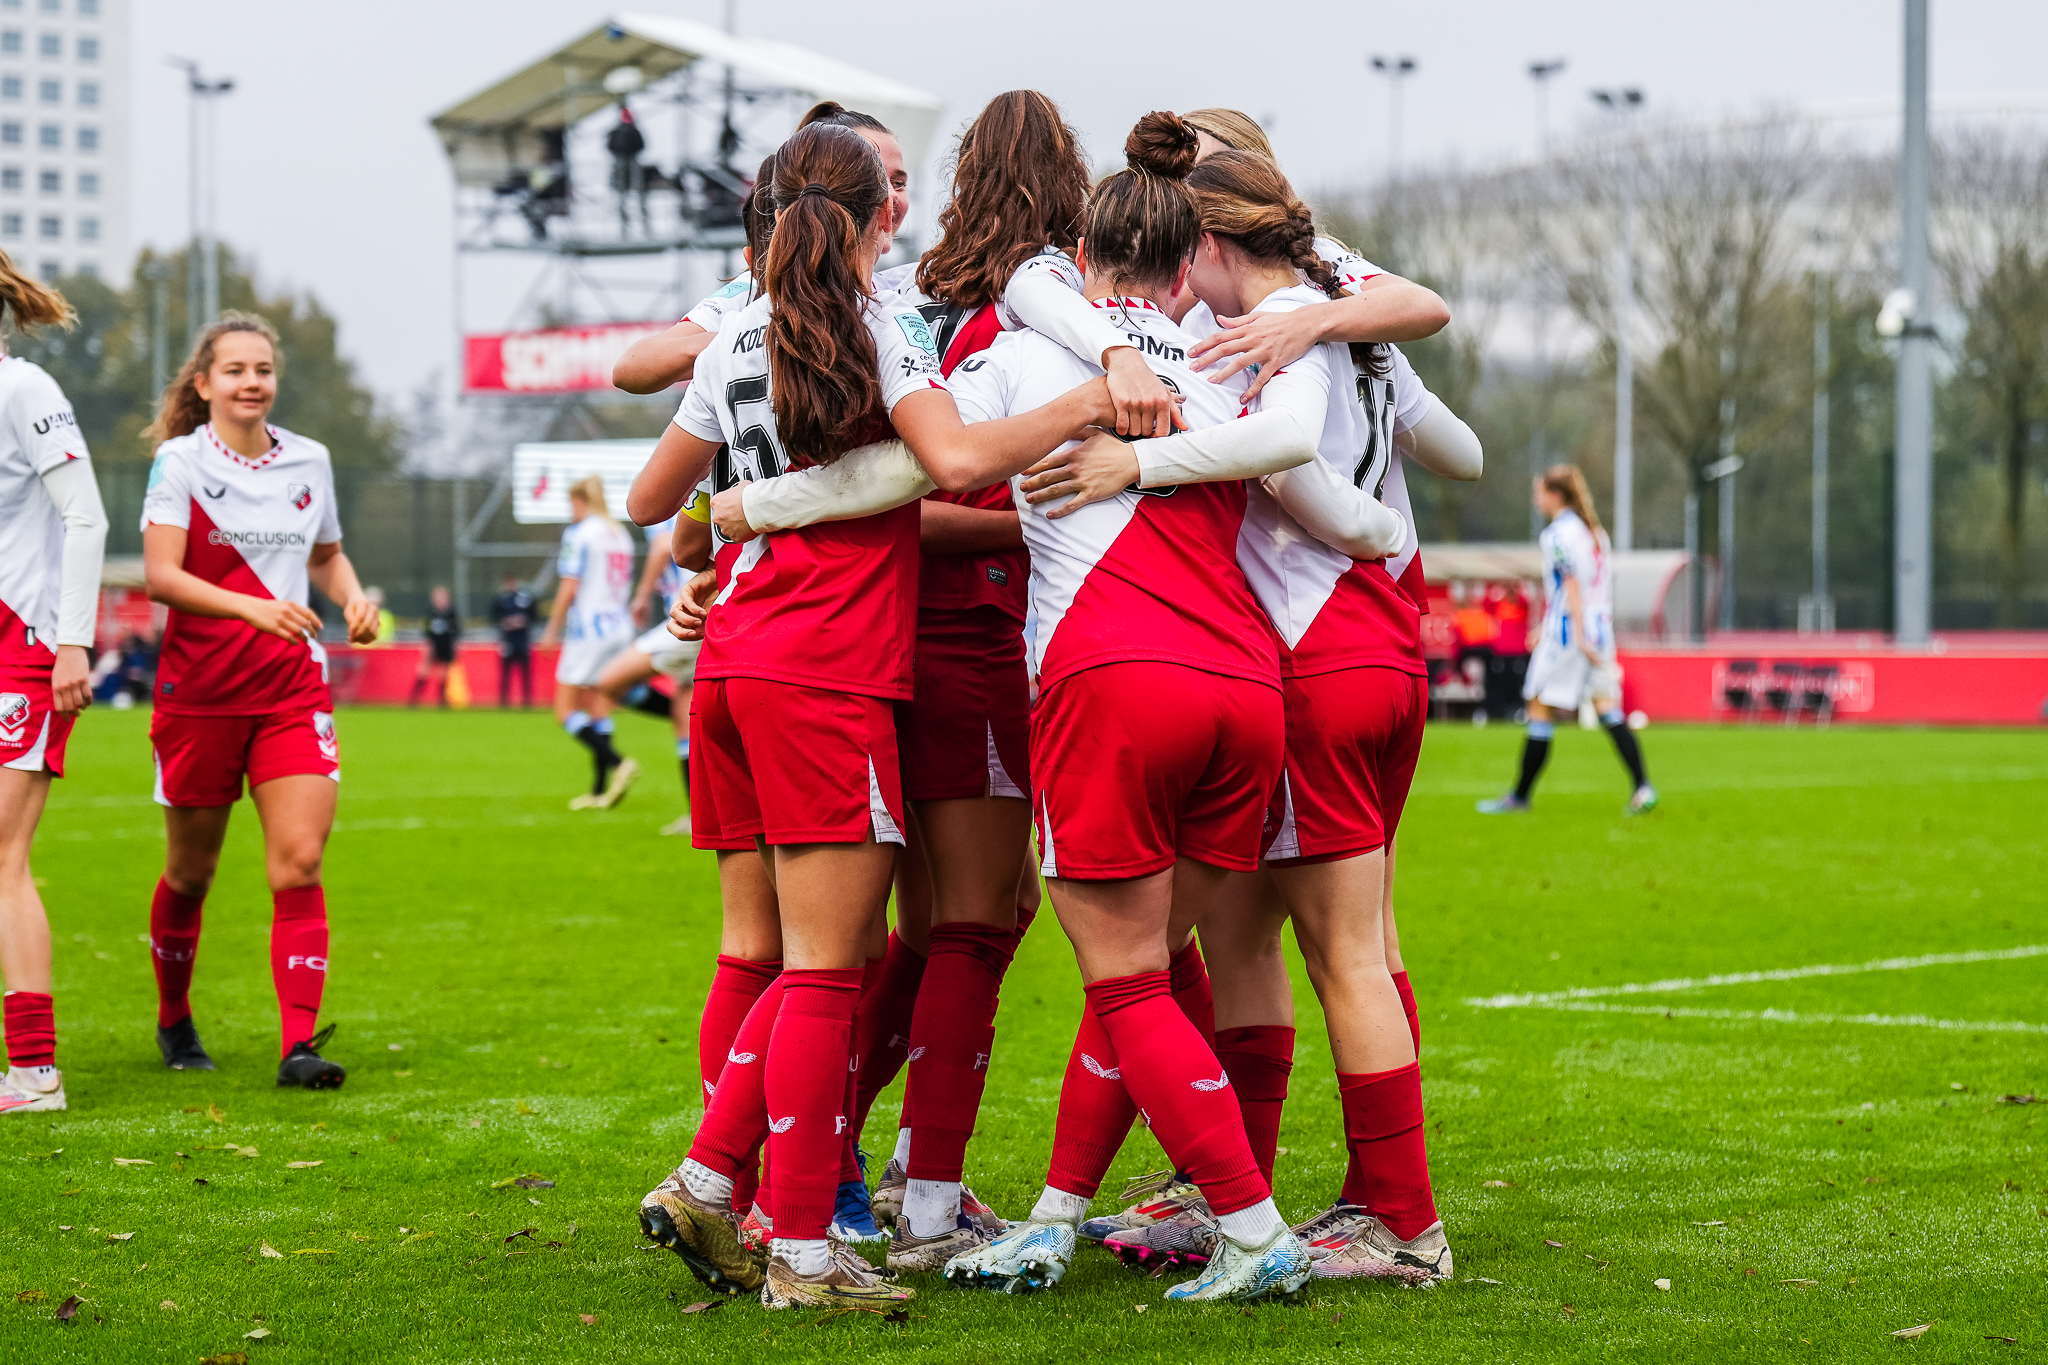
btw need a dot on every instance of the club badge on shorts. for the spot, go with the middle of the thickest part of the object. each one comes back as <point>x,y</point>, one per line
<point>323,730</point>
<point>14,713</point>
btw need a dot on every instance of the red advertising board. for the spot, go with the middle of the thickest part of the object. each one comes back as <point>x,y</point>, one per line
<point>1973,682</point>
<point>551,360</point>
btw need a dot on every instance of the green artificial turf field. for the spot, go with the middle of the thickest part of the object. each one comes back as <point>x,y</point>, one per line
<point>1812,1162</point>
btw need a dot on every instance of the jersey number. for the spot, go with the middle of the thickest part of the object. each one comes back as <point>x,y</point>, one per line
<point>755,440</point>
<point>1377,397</point>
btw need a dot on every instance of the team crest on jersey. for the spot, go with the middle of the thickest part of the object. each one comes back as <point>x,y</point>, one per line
<point>323,731</point>
<point>301,495</point>
<point>918,333</point>
<point>14,713</point>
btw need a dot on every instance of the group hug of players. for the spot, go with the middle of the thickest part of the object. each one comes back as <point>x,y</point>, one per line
<point>946,617</point>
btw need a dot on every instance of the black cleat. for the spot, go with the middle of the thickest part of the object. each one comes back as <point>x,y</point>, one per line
<point>304,1065</point>
<point>181,1047</point>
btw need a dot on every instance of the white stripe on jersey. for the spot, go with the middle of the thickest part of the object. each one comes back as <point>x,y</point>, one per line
<point>37,434</point>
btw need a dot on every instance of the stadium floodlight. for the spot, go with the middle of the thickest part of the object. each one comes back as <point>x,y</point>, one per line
<point>1897,313</point>
<point>1540,73</point>
<point>624,80</point>
<point>1396,70</point>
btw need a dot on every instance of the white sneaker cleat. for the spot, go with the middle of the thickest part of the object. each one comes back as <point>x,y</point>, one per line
<point>1347,1243</point>
<point>1031,1255</point>
<point>621,781</point>
<point>911,1254</point>
<point>1159,1197</point>
<point>848,1282</point>
<point>1240,1274</point>
<point>1642,800</point>
<point>680,826</point>
<point>24,1092</point>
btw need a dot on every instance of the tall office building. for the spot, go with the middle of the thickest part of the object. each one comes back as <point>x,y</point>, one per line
<point>64,136</point>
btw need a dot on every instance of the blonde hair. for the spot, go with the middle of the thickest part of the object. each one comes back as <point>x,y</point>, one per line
<point>1233,128</point>
<point>180,410</point>
<point>1568,482</point>
<point>590,488</point>
<point>31,303</point>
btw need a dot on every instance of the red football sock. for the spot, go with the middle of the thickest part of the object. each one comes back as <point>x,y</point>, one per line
<point>805,1087</point>
<point>870,996</point>
<point>1173,1074</point>
<point>736,1112</point>
<point>173,945</point>
<point>1408,1008</point>
<point>1190,983</point>
<point>1258,1058</point>
<point>1095,1113</point>
<point>31,1021</point>
<point>1389,1172</point>
<point>951,1036</point>
<point>735,986</point>
<point>884,1040</point>
<point>298,961</point>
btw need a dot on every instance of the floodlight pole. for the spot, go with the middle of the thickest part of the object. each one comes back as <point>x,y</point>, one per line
<point>1540,73</point>
<point>202,266</point>
<point>1624,103</point>
<point>1396,70</point>
<point>1913,496</point>
<point>1817,609</point>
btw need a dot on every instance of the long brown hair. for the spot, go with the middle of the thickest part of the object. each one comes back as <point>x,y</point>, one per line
<point>821,358</point>
<point>1141,224</point>
<point>1247,202</point>
<point>757,217</point>
<point>1233,128</point>
<point>1568,481</point>
<point>30,303</point>
<point>180,410</point>
<point>1019,181</point>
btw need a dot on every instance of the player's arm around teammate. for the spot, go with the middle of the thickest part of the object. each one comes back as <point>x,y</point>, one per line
<point>242,683</point>
<point>52,533</point>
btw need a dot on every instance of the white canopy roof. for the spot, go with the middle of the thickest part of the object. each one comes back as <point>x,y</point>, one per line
<point>497,129</point>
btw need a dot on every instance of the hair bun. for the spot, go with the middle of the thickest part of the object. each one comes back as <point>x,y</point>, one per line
<point>1162,145</point>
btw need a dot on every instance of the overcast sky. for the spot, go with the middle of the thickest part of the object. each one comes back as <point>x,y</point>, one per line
<point>332,180</point>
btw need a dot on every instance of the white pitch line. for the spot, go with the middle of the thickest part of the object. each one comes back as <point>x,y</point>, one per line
<point>1800,1017</point>
<point>1692,983</point>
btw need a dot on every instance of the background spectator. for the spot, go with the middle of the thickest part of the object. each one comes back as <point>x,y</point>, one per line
<point>512,614</point>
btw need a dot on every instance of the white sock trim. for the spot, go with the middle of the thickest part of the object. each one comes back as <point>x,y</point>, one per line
<point>1057,1206</point>
<point>804,1255</point>
<point>932,1206</point>
<point>902,1153</point>
<point>706,1184</point>
<point>1252,1227</point>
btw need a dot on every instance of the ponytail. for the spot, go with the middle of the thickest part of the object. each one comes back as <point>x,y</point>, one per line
<point>180,410</point>
<point>1141,223</point>
<point>829,187</point>
<point>31,303</point>
<point>1568,482</point>
<point>1246,201</point>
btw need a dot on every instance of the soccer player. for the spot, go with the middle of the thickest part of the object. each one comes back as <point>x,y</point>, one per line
<point>592,622</point>
<point>1140,807</point>
<point>239,517</point>
<point>1574,662</point>
<point>52,532</point>
<point>444,633</point>
<point>806,648</point>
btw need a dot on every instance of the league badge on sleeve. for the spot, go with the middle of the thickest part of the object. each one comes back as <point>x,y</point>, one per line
<point>918,333</point>
<point>301,495</point>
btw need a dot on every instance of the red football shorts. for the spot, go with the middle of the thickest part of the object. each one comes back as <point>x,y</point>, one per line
<point>32,733</point>
<point>1352,739</point>
<point>202,760</point>
<point>967,729</point>
<point>794,765</point>
<point>1136,765</point>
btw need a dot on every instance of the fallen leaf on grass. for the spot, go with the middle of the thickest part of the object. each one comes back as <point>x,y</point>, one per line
<point>256,1334</point>
<point>168,1306</point>
<point>416,1237</point>
<point>226,1358</point>
<point>523,1232</point>
<point>1799,1282</point>
<point>63,1227</point>
<point>193,1109</point>
<point>1557,1245</point>
<point>1138,1307</point>
<point>703,1307</point>
<point>2017,1099</point>
<point>1717,1223</point>
<point>1664,1285</point>
<point>119,1236</point>
<point>1910,1332</point>
<point>525,1108</point>
<point>2010,1341</point>
<point>30,1296</point>
<point>476,1123</point>
<point>1820,1180</point>
<point>532,1180</point>
<point>43,1156</point>
<point>269,1250</point>
<point>1567,1310</point>
<point>133,1161</point>
<point>216,1113</point>
<point>401,1073</point>
<point>312,1251</point>
<point>1500,1184</point>
<point>589,1319</point>
<point>68,1309</point>
<point>395,1047</point>
<point>302,1165</point>
<point>1480,1279</point>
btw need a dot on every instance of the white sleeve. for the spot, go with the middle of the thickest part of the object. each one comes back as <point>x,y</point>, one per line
<point>736,294</point>
<point>860,483</point>
<point>167,501</point>
<point>1262,443</point>
<point>573,560</point>
<point>1044,294</point>
<point>1441,442</point>
<point>906,356</point>
<point>1335,512</point>
<point>697,414</point>
<point>49,429</point>
<point>330,516</point>
<point>77,496</point>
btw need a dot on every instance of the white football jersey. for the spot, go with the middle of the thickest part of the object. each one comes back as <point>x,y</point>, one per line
<point>250,526</point>
<point>37,434</point>
<point>728,299</point>
<point>598,554</point>
<point>1572,550</point>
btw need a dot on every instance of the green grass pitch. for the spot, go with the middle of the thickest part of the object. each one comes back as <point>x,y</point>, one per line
<point>517,990</point>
